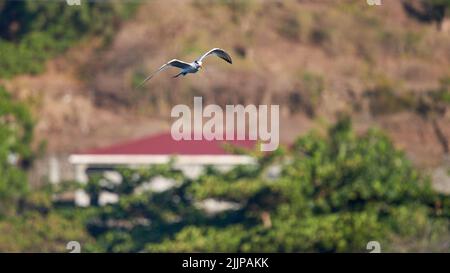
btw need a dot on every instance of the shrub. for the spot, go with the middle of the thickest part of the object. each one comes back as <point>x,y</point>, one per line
<point>16,132</point>
<point>33,31</point>
<point>334,194</point>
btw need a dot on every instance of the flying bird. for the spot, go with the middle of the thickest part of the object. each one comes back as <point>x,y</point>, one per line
<point>191,67</point>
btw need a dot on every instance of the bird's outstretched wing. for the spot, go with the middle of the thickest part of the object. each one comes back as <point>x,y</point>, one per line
<point>174,63</point>
<point>219,53</point>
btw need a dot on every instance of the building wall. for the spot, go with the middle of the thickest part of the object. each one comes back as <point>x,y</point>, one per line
<point>51,169</point>
<point>59,168</point>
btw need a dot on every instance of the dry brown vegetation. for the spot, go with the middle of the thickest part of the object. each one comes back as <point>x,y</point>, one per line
<point>315,58</point>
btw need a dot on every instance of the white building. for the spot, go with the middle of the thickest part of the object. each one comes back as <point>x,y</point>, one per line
<point>190,156</point>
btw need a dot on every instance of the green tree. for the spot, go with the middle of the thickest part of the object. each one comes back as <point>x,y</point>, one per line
<point>333,193</point>
<point>16,134</point>
<point>33,31</point>
<point>29,221</point>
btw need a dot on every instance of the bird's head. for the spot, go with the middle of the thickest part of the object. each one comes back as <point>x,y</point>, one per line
<point>199,64</point>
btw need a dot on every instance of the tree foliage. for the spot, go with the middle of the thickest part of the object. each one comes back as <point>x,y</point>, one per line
<point>333,193</point>
<point>33,31</point>
<point>16,133</point>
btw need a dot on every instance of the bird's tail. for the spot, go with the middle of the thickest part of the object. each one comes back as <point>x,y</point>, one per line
<point>181,73</point>
<point>144,81</point>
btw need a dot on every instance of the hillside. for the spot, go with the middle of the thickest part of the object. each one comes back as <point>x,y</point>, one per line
<point>316,60</point>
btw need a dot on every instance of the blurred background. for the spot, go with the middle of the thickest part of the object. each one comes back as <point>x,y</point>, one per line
<point>364,93</point>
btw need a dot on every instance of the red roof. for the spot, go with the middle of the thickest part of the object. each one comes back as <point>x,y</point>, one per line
<point>163,144</point>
